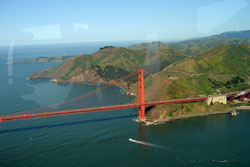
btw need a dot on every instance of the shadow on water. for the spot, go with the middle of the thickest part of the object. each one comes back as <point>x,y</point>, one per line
<point>67,124</point>
<point>11,100</point>
<point>142,132</point>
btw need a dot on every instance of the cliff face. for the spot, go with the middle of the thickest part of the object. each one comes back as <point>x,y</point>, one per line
<point>37,75</point>
<point>86,77</point>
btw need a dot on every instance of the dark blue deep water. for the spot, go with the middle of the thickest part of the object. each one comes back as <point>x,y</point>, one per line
<point>102,139</point>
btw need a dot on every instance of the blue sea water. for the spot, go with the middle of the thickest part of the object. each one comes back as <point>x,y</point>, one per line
<point>110,138</point>
<point>72,49</point>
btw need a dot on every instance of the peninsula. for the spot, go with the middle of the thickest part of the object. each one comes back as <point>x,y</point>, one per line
<point>51,59</point>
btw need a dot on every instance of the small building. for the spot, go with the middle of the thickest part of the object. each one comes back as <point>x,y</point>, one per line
<point>217,99</point>
<point>53,80</point>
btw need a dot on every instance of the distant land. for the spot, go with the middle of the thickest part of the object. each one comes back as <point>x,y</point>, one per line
<point>193,46</point>
<point>209,65</point>
<point>51,59</point>
<point>245,34</point>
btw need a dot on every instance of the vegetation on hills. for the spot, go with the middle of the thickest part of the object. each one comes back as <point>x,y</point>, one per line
<point>110,63</point>
<point>194,46</point>
<point>105,47</point>
<point>149,46</point>
<point>244,34</point>
<point>225,59</point>
<point>218,70</point>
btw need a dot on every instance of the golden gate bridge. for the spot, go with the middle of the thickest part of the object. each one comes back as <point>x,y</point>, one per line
<point>141,104</point>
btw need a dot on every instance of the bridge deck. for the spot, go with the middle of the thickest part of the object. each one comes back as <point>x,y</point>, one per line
<point>96,109</point>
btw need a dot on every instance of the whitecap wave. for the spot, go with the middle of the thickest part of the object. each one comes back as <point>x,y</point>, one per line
<point>221,161</point>
<point>136,120</point>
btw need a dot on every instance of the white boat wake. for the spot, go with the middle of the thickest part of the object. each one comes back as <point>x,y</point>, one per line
<point>146,144</point>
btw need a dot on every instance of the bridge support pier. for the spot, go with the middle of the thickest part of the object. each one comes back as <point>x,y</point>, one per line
<point>242,98</point>
<point>141,95</point>
<point>248,96</point>
<point>232,98</point>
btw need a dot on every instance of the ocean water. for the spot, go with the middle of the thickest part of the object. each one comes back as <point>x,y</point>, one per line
<point>31,51</point>
<point>110,138</point>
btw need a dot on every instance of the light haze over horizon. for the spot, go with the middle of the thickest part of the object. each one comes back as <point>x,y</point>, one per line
<point>28,22</point>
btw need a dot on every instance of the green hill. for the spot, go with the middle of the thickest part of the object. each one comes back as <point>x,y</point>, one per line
<point>225,59</point>
<point>194,46</point>
<point>110,63</point>
<point>149,46</point>
<point>244,34</point>
<point>213,71</point>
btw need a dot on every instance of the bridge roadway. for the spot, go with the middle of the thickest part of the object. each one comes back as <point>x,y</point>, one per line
<point>96,109</point>
<point>237,92</point>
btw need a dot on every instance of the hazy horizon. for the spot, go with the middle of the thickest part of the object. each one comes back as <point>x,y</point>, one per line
<point>125,41</point>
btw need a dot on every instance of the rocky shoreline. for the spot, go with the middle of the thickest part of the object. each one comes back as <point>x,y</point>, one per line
<point>228,111</point>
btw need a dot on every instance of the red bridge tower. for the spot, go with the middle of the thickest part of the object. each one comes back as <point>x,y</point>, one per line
<point>141,95</point>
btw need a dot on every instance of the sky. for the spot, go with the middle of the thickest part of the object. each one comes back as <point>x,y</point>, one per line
<point>25,22</point>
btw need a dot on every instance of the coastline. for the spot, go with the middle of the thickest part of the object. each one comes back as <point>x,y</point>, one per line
<point>242,108</point>
<point>111,82</point>
<point>227,111</point>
